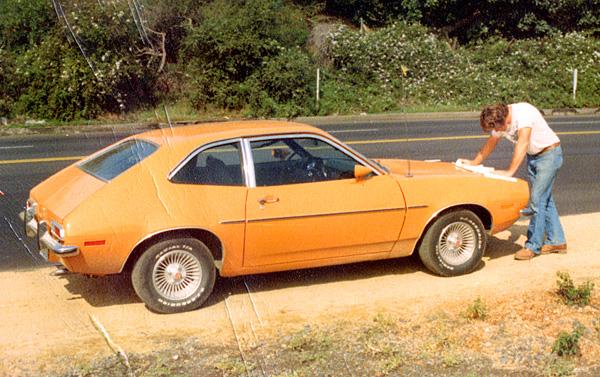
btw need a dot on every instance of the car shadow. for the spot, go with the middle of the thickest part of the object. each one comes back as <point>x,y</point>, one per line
<point>101,291</point>
<point>498,248</point>
<point>117,289</point>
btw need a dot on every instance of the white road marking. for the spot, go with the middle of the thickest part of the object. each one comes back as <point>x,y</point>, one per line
<point>18,147</point>
<point>576,122</point>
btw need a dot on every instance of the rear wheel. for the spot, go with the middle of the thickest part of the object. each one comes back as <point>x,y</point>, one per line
<point>454,244</point>
<point>174,275</point>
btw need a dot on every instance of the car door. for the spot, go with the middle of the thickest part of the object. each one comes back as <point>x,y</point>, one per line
<point>306,204</point>
<point>213,194</point>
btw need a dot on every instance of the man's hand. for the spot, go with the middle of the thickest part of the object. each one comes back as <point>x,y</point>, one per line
<point>504,173</point>
<point>464,161</point>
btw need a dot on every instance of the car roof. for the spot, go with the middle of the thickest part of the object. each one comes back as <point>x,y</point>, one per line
<point>202,133</point>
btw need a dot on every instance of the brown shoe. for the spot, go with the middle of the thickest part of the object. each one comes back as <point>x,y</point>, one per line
<point>552,249</point>
<point>525,254</point>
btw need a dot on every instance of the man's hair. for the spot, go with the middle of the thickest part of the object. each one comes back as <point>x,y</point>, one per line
<point>493,116</point>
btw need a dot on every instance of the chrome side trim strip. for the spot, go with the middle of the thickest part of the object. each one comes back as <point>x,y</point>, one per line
<point>326,214</point>
<point>417,206</point>
<point>227,222</point>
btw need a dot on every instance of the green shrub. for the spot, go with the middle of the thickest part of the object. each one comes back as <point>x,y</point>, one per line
<point>477,310</point>
<point>283,86</point>
<point>410,65</point>
<point>570,294</point>
<point>231,43</point>
<point>24,23</point>
<point>7,83</point>
<point>567,344</point>
<point>56,80</point>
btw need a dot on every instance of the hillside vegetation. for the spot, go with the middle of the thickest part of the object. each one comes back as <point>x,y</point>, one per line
<point>66,60</point>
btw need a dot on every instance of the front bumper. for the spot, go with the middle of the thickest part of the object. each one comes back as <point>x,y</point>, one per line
<point>46,243</point>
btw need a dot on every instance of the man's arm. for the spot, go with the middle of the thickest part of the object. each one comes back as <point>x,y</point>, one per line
<point>519,153</point>
<point>484,152</point>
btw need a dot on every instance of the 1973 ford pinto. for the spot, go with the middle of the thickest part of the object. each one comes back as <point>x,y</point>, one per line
<point>173,207</point>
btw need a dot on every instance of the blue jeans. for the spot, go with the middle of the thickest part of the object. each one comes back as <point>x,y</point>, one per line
<point>544,222</point>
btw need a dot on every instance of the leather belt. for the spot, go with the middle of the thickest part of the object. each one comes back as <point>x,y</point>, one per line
<point>548,148</point>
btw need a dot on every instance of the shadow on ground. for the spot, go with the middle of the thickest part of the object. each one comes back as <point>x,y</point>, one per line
<point>117,289</point>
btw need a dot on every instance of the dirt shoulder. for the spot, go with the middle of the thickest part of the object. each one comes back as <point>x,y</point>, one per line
<point>45,322</point>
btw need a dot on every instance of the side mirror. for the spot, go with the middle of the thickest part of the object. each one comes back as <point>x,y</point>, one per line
<point>361,172</point>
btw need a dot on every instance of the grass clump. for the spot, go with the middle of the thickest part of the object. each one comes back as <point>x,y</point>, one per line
<point>567,344</point>
<point>477,310</point>
<point>233,366</point>
<point>559,367</point>
<point>311,346</point>
<point>571,295</point>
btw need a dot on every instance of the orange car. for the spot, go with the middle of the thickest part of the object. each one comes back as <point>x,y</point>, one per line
<point>175,206</point>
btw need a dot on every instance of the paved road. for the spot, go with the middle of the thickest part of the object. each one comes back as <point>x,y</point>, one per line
<point>26,161</point>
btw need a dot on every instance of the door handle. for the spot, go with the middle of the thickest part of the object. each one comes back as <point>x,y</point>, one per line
<point>268,200</point>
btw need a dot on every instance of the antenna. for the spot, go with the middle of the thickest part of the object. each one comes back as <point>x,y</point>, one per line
<point>408,172</point>
<point>168,117</point>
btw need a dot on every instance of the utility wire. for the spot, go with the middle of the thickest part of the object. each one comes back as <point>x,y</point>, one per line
<point>61,15</point>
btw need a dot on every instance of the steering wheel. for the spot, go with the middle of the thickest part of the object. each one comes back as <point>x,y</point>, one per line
<point>315,168</point>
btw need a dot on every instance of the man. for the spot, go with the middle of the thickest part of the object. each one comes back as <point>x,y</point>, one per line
<point>525,127</point>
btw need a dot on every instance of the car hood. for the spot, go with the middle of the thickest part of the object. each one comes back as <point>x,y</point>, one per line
<point>65,190</point>
<point>422,168</point>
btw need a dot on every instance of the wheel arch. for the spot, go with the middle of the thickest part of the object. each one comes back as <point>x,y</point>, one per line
<point>211,241</point>
<point>481,212</point>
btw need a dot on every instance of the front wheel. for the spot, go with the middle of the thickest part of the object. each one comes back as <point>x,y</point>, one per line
<point>175,275</point>
<point>454,244</point>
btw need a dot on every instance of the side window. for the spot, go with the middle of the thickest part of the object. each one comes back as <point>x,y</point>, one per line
<point>219,165</point>
<point>287,161</point>
<point>117,160</point>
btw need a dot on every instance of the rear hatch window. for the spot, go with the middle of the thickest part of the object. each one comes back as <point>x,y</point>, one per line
<point>117,159</point>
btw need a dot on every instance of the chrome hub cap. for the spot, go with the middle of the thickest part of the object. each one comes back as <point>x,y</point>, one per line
<point>177,275</point>
<point>457,243</point>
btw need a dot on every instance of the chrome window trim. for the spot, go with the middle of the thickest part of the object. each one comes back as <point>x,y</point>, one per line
<point>248,163</point>
<point>204,147</point>
<point>356,156</point>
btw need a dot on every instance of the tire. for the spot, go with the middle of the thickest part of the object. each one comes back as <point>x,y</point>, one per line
<point>454,244</point>
<point>174,275</point>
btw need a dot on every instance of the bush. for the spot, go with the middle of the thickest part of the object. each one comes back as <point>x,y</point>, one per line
<point>570,295</point>
<point>410,65</point>
<point>24,23</point>
<point>283,86</point>
<point>477,310</point>
<point>231,42</point>
<point>57,81</point>
<point>567,344</point>
<point>9,91</point>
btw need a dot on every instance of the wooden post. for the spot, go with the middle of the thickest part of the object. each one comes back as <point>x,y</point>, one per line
<point>574,84</point>
<point>318,86</point>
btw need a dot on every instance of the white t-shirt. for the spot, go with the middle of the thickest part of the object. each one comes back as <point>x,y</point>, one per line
<point>525,115</point>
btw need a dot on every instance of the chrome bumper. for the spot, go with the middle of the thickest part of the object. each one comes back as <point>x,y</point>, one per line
<point>46,242</point>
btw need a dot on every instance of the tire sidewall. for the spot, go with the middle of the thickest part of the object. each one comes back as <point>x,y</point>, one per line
<point>143,269</point>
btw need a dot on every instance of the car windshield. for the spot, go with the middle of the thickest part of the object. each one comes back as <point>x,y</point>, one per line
<point>118,159</point>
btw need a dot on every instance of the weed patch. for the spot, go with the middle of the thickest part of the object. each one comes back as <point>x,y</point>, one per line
<point>477,310</point>
<point>567,344</point>
<point>571,295</point>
